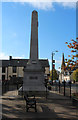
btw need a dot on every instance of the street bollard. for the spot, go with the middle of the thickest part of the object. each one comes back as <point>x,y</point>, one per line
<point>64,87</point>
<point>59,86</point>
<point>46,90</point>
<point>8,85</point>
<point>70,88</point>
<point>5,87</point>
<point>17,86</point>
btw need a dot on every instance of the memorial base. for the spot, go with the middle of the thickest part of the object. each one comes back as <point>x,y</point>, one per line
<point>36,93</point>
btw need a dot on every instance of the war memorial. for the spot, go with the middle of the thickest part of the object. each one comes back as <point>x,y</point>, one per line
<point>33,81</point>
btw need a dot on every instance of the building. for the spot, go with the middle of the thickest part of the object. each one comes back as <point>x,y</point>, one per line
<point>65,73</point>
<point>14,67</point>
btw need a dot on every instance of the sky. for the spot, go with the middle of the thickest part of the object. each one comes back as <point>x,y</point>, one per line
<point>57,25</point>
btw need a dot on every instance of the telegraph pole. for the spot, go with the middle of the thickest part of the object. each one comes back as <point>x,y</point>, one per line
<point>53,61</point>
<point>52,68</point>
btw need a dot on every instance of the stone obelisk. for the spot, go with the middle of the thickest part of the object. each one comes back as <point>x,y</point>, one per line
<point>34,36</point>
<point>33,81</point>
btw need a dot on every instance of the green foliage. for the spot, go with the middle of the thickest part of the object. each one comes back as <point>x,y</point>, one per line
<point>75,75</point>
<point>55,75</point>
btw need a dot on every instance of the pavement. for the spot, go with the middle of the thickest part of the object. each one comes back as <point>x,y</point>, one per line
<point>56,106</point>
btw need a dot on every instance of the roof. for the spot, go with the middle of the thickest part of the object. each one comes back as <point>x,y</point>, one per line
<point>22,62</point>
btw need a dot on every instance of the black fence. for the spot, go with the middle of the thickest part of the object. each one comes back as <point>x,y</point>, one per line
<point>10,85</point>
<point>62,88</point>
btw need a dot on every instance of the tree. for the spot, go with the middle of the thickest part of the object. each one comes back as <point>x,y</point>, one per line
<point>55,75</point>
<point>73,61</point>
<point>75,75</point>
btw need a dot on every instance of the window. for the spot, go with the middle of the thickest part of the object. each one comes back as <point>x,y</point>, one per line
<point>3,69</point>
<point>14,69</point>
<point>3,77</point>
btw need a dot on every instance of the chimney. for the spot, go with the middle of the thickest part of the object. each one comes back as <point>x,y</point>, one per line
<point>10,57</point>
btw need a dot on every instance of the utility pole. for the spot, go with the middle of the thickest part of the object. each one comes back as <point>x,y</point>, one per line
<point>52,68</point>
<point>53,61</point>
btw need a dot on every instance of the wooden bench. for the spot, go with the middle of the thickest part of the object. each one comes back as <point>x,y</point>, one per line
<point>30,102</point>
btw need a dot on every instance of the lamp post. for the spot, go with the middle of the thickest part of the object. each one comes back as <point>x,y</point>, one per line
<point>52,63</point>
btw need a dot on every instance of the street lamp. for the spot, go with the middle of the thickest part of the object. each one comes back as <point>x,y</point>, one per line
<point>53,61</point>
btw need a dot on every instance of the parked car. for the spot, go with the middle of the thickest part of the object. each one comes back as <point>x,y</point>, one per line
<point>68,81</point>
<point>63,81</point>
<point>49,87</point>
<point>56,81</point>
<point>50,82</point>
